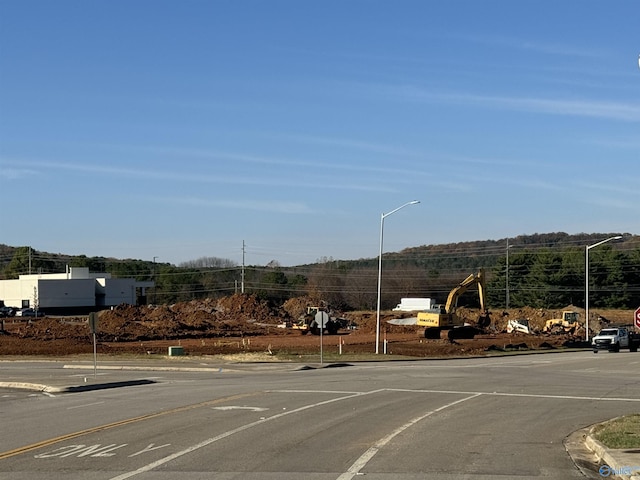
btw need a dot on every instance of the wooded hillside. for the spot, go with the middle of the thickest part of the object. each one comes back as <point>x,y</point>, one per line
<point>543,270</point>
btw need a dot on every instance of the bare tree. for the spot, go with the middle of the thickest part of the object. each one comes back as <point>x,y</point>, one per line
<point>360,288</point>
<point>209,262</point>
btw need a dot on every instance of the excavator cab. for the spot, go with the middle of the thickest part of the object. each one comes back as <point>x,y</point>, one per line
<point>445,319</point>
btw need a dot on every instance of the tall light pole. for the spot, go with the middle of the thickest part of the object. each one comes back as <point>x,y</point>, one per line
<point>507,279</point>
<point>155,288</point>
<point>586,282</point>
<point>242,272</point>
<point>382,217</point>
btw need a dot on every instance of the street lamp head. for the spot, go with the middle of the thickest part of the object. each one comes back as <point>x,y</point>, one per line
<point>413,202</point>
<point>617,237</point>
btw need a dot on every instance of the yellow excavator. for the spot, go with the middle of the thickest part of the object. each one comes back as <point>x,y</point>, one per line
<point>443,321</point>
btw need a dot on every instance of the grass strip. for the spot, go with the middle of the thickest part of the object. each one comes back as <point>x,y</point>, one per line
<point>623,432</point>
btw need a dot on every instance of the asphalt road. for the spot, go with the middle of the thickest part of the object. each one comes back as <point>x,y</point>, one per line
<point>441,419</point>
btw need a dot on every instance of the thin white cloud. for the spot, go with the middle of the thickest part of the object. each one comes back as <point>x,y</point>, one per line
<point>559,183</point>
<point>583,108</point>
<point>337,168</point>
<point>562,49</point>
<point>610,202</point>
<point>346,143</point>
<point>265,160</point>
<point>607,186</point>
<point>621,143</point>
<point>556,48</point>
<point>11,173</point>
<point>523,181</point>
<point>327,182</point>
<point>254,205</point>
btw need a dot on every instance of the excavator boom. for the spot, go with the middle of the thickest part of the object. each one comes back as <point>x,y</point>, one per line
<point>471,280</point>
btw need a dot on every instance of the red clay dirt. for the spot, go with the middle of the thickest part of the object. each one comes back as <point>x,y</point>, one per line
<point>244,324</point>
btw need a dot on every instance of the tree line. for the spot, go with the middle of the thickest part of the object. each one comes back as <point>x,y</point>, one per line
<point>542,271</point>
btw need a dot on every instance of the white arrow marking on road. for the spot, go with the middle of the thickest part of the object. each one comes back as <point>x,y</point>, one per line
<point>234,407</point>
<point>241,428</point>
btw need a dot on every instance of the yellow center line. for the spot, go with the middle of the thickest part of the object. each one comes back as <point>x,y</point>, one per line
<point>68,436</point>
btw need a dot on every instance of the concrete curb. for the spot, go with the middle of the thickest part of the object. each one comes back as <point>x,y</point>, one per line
<point>37,387</point>
<point>146,368</point>
<point>607,457</point>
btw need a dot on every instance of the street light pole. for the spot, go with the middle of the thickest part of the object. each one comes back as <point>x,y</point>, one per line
<point>155,288</point>
<point>382,217</point>
<point>586,282</point>
<point>507,279</point>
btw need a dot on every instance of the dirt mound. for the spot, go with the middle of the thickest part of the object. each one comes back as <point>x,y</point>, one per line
<point>241,323</point>
<point>235,315</point>
<point>295,307</point>
<point>47,329</point>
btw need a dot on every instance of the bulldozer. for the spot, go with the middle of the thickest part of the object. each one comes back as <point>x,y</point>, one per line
<point>569,323</point>
<point>443,321</point>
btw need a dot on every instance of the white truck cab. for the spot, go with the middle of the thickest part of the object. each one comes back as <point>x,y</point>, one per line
<point>615,338</point>
<point>414,304</point>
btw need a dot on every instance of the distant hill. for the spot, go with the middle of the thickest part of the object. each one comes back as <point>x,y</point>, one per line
<point>484,253</point>
<point>461,255</point>
<point>539,270</point>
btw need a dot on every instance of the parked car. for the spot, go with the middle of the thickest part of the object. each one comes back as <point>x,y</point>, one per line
<point>7,311</point>
<point>29,312</point>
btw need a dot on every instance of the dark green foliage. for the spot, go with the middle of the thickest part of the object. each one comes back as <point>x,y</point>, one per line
<point>544,270</point>
<point>274,287</point>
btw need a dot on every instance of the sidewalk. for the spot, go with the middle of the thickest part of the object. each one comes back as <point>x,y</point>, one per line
<point>66,376</point>
<point>69,377</point>
<point>622,463</point>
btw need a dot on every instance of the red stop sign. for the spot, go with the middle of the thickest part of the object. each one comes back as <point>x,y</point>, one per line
<point>636,317</point>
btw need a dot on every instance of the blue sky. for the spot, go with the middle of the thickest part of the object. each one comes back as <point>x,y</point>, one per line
<point>179,129</point>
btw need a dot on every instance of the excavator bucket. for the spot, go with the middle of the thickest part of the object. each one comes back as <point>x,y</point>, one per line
<point>484,321</point>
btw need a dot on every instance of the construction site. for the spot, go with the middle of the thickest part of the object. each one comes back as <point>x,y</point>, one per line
<point>243,324</point>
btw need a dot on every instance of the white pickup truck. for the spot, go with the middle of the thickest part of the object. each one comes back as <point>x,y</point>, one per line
<point>615,338</point>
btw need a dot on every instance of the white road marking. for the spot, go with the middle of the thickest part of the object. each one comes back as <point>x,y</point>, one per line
<point>361,462</point>
<point>517,363</point>
<point>209,441</point>
<point>234,407</point>
<point>461,392</point>
<point>86,405</point>
<point>524,395</point>
<point>97,450</point>
<point>83,451</point>
<point>365,457</point>
<point>331,392</point>
<point>149,448</point>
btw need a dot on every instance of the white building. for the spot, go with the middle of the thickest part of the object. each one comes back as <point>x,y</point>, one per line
<point>75,289</point>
